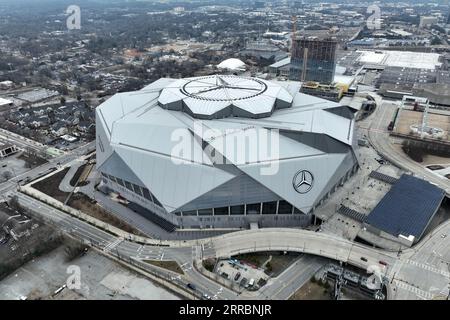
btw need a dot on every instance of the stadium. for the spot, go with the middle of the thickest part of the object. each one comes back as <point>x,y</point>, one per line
<point>224,151</point>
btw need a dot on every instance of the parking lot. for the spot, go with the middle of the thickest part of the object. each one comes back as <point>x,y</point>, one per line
<point>247,276</point>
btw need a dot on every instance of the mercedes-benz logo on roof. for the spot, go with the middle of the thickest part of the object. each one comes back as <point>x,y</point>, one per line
<point>223,88</point>
<point>303,181</point>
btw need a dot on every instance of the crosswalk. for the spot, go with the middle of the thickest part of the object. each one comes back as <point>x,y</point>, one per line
<point>417,291</point>
<point>429,268</point>
<point>186,267</point>
<point>112,245</point>
<point>218,293</point>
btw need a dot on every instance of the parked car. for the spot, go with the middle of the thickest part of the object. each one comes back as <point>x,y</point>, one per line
<point>191,286</point>
<point>237,276</point>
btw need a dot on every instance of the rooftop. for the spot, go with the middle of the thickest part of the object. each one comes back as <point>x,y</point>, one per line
<point>407,59</point>
<point>407,208</point>
<point>4,102</point>
<point>225,95</point>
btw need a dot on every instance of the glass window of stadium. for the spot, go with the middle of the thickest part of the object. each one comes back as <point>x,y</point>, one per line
<point>120,181</point>
<point>137,189</point>
<point>129,186</point>
<point>221,211</point>
<point>205,212</point>
<point>147,194</point>
<point>284,207</point>
<point>254,208</point>
<point>236,210</point>
<point>269,207</point>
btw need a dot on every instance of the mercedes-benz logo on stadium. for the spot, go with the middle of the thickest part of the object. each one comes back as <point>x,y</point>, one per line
<point>303,181</point>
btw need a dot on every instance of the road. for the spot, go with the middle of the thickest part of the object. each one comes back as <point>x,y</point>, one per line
<point>413,274</point>
<point>379,138</point>
<point>62,160</point>
<point>417,273</point>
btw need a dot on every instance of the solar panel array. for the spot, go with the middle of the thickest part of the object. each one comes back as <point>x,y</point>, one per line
<point>407,208</point>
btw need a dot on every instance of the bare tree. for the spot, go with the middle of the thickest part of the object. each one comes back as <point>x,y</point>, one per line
<point>7,175</point>
<point>14,204</point>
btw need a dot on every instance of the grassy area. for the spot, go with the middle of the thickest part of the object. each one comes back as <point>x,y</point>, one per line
<point>312,291</point>
<point>83,203</point>
<point>169,265</point>
<point>50,186</point>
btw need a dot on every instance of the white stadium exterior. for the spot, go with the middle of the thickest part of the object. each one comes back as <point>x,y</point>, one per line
<point>171,150</point>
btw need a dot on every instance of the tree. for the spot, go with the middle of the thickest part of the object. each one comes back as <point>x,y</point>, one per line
<point>14,204</point>
<point>7,175</point>
<point>436,41</point>
<point>64,91</point>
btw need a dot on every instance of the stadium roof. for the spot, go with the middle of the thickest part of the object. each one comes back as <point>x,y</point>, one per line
<point>219,96</point>
<point>407,208</point>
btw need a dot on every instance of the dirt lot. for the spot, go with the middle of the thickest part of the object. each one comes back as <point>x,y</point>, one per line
<point>83,203</point>
<point>409,118</point>
<point>311,291</point>
<point>276,262</point>
<point>50,186</point>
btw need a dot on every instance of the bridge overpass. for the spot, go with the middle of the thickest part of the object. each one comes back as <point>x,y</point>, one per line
<point>297,240</point>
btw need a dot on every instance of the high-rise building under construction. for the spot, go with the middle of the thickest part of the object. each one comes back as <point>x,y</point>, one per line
<point>313,60</point>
